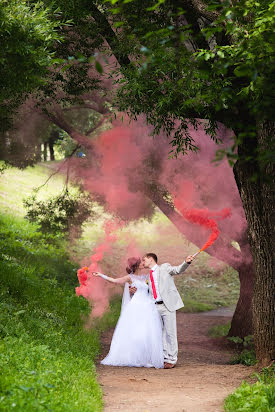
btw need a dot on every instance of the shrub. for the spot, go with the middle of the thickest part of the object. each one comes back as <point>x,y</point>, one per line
<point>259,397</point>
<point>246,355</point>
<point>59,214</point>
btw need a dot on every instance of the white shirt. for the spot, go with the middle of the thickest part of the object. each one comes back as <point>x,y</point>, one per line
<point>155,274</point>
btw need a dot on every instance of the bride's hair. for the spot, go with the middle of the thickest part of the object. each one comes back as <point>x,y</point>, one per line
<point>133,264</point>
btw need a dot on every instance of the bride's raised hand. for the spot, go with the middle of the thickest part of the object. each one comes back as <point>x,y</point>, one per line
<point>96,273</point>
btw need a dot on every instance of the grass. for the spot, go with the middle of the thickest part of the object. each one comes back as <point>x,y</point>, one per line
<point>219,331</point>
<point>47,357</point>
<point>258,397</point>
<point>16,184</point>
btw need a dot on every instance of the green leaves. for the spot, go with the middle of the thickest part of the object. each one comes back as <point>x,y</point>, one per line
<point>258,397</point>
<point>59,214</point>
<point>243,70</point>
<point>98,67</point>
<point>28,33</point>
<point>158,3</point>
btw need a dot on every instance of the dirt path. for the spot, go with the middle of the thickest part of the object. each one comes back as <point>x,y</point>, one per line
<point>199,383</point>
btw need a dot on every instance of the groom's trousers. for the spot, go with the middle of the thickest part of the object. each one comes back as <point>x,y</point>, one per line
<point>169,334</point>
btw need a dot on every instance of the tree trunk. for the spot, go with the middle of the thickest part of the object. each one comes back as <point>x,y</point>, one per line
<point>38,154</point>
<point>45,154</point>
<point>241,324</point>
<point>256,187</point>
<point>51,143</point>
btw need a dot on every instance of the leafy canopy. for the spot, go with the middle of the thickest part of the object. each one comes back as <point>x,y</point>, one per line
<point>28,33</point>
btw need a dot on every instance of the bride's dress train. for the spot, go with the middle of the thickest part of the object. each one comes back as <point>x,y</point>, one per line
<point>137,339</point>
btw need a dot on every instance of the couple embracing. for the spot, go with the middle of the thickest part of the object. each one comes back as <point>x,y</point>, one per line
<point>146,332</point>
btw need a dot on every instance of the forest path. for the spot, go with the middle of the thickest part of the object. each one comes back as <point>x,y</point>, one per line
<point>199,383</point>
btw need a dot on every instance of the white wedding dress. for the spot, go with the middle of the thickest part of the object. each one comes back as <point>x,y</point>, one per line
<point>137,339</point>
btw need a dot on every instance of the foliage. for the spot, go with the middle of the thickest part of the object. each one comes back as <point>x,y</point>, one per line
<point>246,351</point>
<point>66,145</point>
<point>179,72</point>
<point>50,260</point>
<point>28,33</point>
<point>258,397</point>
<point>221,70</point>
<point>60,214</point>
<point>246,357</point>
<point>46,355</point>
<point>3,166</point>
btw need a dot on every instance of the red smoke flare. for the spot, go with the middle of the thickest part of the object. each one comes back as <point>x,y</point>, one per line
<point>204,218</point>
<point>91,288</point>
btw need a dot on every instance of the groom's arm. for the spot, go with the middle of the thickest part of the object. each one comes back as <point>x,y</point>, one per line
<point>177,270</point>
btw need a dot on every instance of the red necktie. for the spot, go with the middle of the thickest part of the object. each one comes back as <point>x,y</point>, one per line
<point>153,285</point>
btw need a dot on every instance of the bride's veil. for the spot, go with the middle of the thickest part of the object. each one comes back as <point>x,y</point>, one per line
<point>126,296</point>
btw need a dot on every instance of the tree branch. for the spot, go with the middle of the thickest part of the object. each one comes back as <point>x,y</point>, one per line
<point>106,31</point>
<point>59,120</point>
<point>58,169</point>
<point>200,9</point>
<point>100,123</point>
<point>81,106</point>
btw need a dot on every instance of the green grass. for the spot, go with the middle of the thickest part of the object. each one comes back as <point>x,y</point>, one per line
<point>47,356</point>
<point>219,330</point>
<point>258,397</point>
<point>17,184</point>
<point>207,289</point>
<point>192,306</point>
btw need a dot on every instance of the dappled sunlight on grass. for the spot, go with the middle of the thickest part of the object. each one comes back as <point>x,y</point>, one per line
<point>15,185</point>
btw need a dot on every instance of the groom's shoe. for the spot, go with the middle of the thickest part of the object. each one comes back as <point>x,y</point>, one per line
<point>169,365</point>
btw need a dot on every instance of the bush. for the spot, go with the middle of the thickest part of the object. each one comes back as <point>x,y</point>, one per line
<point>59,214</point>
<point>246,355</point>
<point>259,397</point>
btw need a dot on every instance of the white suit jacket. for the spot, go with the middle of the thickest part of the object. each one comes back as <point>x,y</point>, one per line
<point>168,291</point>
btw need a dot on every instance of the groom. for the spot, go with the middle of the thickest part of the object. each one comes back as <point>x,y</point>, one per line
<point>167,300</point>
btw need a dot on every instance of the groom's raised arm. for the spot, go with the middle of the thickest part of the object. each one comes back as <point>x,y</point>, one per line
<point>177,270</point>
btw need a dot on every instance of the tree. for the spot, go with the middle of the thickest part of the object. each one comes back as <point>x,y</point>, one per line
<point>215,62</point>
<point>208,64</point>
<point>162,77</point>
<point>28,33</point>
<point>147,178</point>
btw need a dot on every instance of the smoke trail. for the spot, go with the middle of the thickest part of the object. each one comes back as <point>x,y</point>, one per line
<point>204,218</point>
<point>92,288</point>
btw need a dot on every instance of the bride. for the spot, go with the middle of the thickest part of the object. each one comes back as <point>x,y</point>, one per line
<point>137,339</point>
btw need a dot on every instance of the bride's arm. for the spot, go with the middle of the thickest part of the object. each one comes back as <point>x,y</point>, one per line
<point>119,281</point>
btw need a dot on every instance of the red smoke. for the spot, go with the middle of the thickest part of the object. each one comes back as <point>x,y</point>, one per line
<point>130,167</point>
<point>92,288</point>
<point>130,164</point>
<point>204,218</point>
